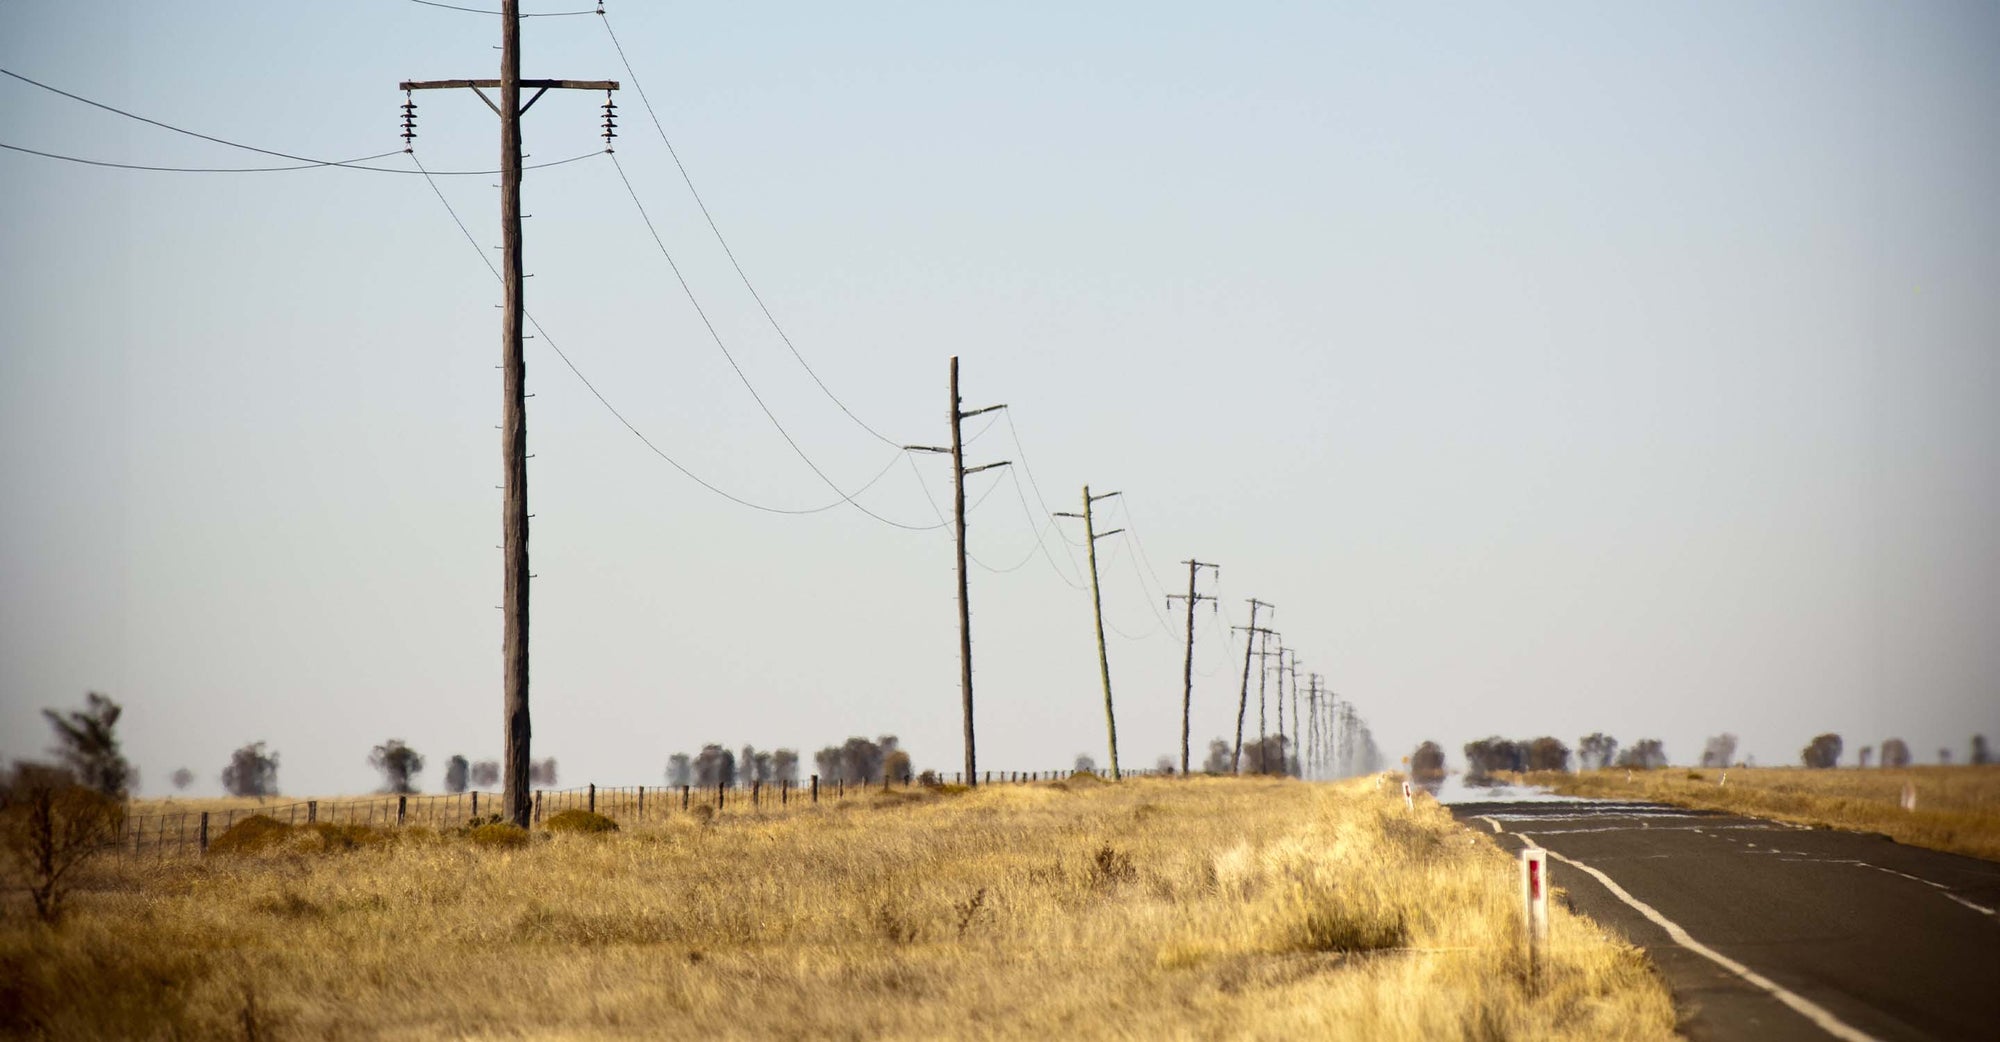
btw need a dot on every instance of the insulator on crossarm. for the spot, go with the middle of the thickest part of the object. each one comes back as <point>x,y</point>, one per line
<point>409,121</point>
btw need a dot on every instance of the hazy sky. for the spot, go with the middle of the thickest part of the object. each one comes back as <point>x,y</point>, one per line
<point>1576,367</point>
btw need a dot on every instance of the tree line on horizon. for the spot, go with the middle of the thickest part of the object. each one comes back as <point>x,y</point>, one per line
<point>1487,758</point>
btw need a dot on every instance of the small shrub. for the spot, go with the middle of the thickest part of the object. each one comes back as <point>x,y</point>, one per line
<point>499,834</point>
<point>49,825</point>
<point>253,835</point>
<point>1110,867</point>
<point>580,820</point>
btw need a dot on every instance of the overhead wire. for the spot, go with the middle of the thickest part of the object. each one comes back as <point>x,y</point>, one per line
<point>305,161</point>
<point>481,10</point>
<point>688,179</point>
<point>192,169</point>
<point>716,337</point>
<point>612,409</point>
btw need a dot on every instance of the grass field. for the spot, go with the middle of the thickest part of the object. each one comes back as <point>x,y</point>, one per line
<point>1958,808</point>
<point>1204,908</point>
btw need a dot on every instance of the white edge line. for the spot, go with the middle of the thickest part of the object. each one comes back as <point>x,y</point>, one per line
<point>1826,1022</point>
<point>1490,821</point>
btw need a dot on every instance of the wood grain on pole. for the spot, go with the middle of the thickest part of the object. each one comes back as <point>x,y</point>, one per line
<point>514,426</point>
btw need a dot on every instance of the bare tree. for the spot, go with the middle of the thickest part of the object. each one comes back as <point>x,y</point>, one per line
<point>182,778</point>
<point>1596,751</point>
<point>1824,751</point>
<point>399,765</point>
<point>87,744</point>
<point>1895,753</point>
<point>1720,751</point>
<point>457,774</point>
<point>485,774</point>
<point>50,824</point>
<point>251,772</point>
<point>680,769</point>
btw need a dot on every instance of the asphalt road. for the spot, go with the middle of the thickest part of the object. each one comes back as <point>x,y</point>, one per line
<point>1771,931</point>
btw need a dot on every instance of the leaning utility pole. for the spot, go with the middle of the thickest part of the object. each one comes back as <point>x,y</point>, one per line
<point>1187,668</point>
<point>514,418</point>
<point>1243,700</point>
<point>958,474</point>
<point>1092,535</point>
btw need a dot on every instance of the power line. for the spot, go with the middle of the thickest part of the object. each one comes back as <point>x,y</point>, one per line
<point>192,169</point>
<point>687,179</point>
<point>305,161</point>
<point>481,10</point>
<point>716,336</point>
<point>612,409</point>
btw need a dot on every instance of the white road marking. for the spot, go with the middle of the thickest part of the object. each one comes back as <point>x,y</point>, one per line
<point>1805,1007</point>
<point>1808,859</point>
<point>1490,821</point>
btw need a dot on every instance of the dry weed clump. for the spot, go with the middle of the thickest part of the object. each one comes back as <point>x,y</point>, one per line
<point>580,821</point>
<point>1176,908</point>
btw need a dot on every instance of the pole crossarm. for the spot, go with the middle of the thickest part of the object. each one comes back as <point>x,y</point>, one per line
<point>1107,535</point>
<point>989,466</point>
<point>926,448</point>
<point>980,412</point>
<point>495,84</point>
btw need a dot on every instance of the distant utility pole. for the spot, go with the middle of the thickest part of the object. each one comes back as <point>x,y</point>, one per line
<point>958,474</point>
<point>1187,668</point>
<point>1092,535</point>
<point>1298,737</point>
<point>1263,671</point>
<point>514,418</point>
<point>1250,633</point>
<point>1282,650</point>
<point>1312,719</point>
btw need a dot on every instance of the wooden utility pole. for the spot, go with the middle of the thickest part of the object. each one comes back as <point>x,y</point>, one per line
<point>1281,706</point>
<point>1263,672</point>
<point>1187,667</point>
<point>1092,535</point>
<point>514,413</point>
<point>1298,736</point>
<point>1250,633</point>
<point>958,473</point>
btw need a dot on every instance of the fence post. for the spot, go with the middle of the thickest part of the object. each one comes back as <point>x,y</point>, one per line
<point>204,832</point>
<point>756,787</point>
<point>719,789</point>
<point>402,810</point>
<point>1409,798</point>
<point>785,793</point>
<point>642,803</point>
<point>815,788</point>
<point>593,798</point>
<point>1535,906</point>
<point>684,797</point>
<point>475,803</point>
<point>312,812</point>
<point>538,806</point>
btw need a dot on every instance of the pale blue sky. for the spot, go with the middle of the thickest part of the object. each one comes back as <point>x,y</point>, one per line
<point>1562,369</point>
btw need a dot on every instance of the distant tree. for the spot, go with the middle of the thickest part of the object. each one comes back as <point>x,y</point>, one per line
<point>1165,765</point>
<point>486,774</point>
<point>1596,751</point>
<point>1427,764</point>
<point>1824,751</point>
<point>542,773</point>
<point>861,761</point>
<point>399,765</point>
<point>896,767</point>
<point>1218,758</point>
<point>1084,764</point>
<point>828,762</point>
<point>1720,751</point>
<point>715,767</point>
<point>1944,754</point>
<point>746,765</point>
<point>1867,751</point>
<point>763,768</point>
<point>251,772</point>
<point>1895,753</point>
<point>50,824</point>
<point>1548,754</point>
<point>1488,756</point>
<point>785,766</point>
<point>1980,755</point>
<point>182,778</point>
<point>87,744</point>
<point>680,769</point>
<point>1646,754</point>
<point>457,774</point>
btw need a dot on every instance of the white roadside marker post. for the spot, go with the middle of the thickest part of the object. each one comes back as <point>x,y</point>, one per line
<point>1409,800</point>
<point>1909,796</point>
<point>1535,905</point>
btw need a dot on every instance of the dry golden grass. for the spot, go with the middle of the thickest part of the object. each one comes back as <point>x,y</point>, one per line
<point>1958,808</point>
<point>1203,908</point>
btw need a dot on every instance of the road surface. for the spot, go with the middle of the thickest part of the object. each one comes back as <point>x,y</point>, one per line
<point>1771,931</point>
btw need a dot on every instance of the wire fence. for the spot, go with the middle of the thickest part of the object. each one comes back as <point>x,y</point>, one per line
<point>189,832</point>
